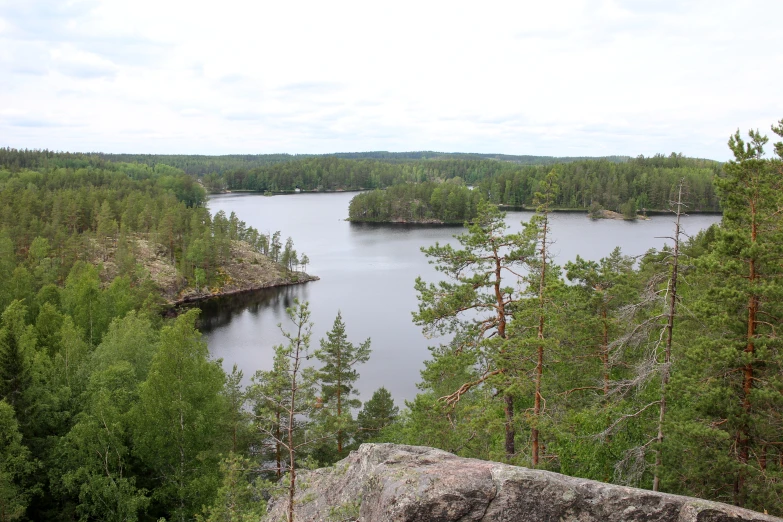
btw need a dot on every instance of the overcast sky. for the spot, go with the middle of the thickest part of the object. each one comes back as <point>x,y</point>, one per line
<point>569,78</point>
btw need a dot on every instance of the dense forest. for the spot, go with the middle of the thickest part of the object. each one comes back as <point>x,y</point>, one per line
<point>644,183</point>
<point>92,379</point>
<point>638,185</point>
<point>66,208</point>
<point>664,372</point>
<point>614,183</point>
<point>200,165</point>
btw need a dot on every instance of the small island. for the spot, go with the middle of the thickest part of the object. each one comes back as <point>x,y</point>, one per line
<point>428,203</point>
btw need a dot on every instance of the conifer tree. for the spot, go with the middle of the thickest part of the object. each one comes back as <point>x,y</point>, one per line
<point>475,304</point>
<point>541,227</point>
<point>286,396</point>
<point>376,414</point>
<point>337,377</point>
<point>269,394</point>
<point>731,417</point>
<point>15,466</point>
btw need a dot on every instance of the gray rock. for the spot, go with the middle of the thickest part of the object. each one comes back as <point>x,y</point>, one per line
<point>393,483</point>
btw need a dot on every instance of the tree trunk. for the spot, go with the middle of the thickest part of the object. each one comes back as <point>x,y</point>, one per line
<point>278,455</point>
<point>605,349</point>
<point>668,347</point>
<point>510,432</point>
<point>534,435</point>
<point>743,433</point>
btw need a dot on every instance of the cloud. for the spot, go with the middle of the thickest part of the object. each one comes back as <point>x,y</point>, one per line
<point>44,19</point>
<point>191,112</point>
<point>35,121</point>
<point>243,116</point>
<point>235,78</point>
<point>77,23</point>
<point>310,87</point>
<point>567,78</point>
<point>71,61</point>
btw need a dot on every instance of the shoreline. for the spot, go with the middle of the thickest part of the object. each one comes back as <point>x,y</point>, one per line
<point>606,215</point>
<point>195,298</point>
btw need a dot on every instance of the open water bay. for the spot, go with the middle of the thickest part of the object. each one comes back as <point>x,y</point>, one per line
<point>368,271</point>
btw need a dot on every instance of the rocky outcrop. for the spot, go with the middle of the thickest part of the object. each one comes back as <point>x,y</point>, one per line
<point>392,483</point>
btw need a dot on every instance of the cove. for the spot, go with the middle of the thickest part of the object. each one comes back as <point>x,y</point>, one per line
<point>367,272</point>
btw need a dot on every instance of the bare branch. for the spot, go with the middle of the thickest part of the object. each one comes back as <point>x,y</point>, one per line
<point>454,398</point>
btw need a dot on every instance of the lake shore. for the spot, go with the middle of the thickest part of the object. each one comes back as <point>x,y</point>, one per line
<point>200,297</point>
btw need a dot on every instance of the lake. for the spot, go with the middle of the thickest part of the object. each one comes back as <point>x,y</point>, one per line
<point>368,271</point>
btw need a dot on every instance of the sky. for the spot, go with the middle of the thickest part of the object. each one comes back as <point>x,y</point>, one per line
<point>558,78</point>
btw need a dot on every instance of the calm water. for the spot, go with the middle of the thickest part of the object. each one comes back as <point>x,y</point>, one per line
<point>367,272</point>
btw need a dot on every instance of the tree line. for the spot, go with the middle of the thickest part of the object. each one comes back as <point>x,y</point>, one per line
<point>643,183</point>
<point>611,183</point>
<point>200,165</point>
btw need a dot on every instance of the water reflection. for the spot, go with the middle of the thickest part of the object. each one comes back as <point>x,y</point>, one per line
<point>219,312</point>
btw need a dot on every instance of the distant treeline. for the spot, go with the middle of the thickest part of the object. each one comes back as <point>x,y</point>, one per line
<point>640,183</point>
<point>200,165</point>
<point>643,183</point>
<point>614,183</point>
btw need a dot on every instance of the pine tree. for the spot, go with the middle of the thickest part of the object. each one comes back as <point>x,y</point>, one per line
<point>730,413</point>
<point>475,304</point>
<point>291,394</point>
<point>16,365</point>
<point>337,376</point>
<point>376,414</point>
<point>541,226</point>
<point>269,395</point>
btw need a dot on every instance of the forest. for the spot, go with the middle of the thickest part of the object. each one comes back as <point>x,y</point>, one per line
<point>438,193</point>
<point>585,183</point>
<point>644,183</point>
<point>199,165</point>
<point>664,372</point>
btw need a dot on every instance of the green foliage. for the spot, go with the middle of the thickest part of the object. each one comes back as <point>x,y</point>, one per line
<point>501,179</point>
<point>475,304</point>
<point>179,420</point>
<point>268,394</point>
<point>376,414</point>
<point>416,203</point>
<point>108,413</point>
<point>72,208</point>
<point>732,374</point>
<point>337,376</point>
<point>95,454</point>
<point>603,338</point>
<point>15,359</point>
<point>15,465</point>
<point>240,497</point>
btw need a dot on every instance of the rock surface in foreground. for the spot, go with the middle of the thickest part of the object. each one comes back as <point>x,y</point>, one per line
<point>388,482</point>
